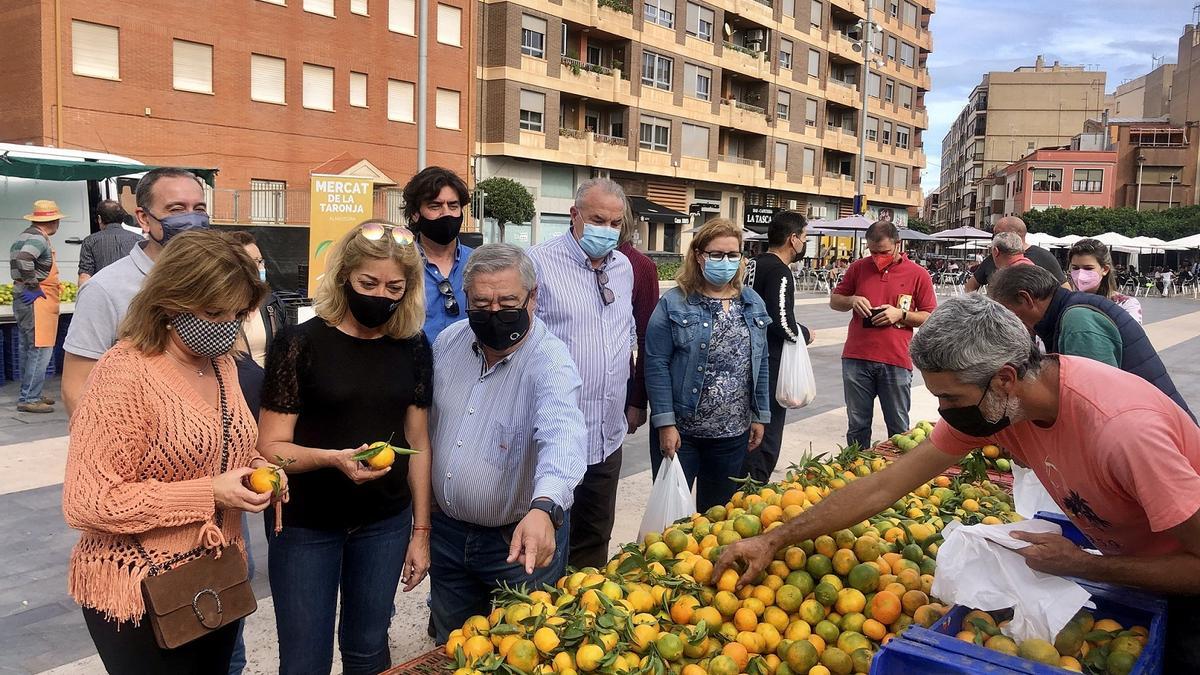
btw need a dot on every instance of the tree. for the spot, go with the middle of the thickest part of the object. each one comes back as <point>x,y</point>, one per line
<point>919,225</point>
<point>506,200</point>
<point>1088,222</point>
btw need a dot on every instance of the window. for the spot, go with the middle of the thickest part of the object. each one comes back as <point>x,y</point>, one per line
<point>562,47</point>
<point>1087,180</point>
<point>877,42</point>
<point>655,134</point>
<point>324,7</point>
<point>781,153</point>
<point>267,79</point>
<point>402,16</point>
<point>874,81</point>
<point>446,114</point>
<point>594,53</point>
<point>192,67</point>
<point>810,112</point>
<point>358,7</point>
<point>889,90</point>
<point>700,22</point>
<point>400,101</point>
<point>887,133</point>
<point>909,17</point>
<point>661,12</point>
<point>789,7</point>
<point>907,55</point>
<point>814,63</point>
<point>695,141</point>
<point>1047,180</point>
<point>1161,174</point>
<point>893,8</point>
<point>449,25</point>
<point>900,174</point>
<point>872,129</point>
<point>358,90</point>
<point>810,162</point>
<point>533,108</point>
<point>656,70</point>
<point>95,50</point>
<point>268,200</point>
<point>785,53</point>
<point>783,105</point>
<point>902,133</point>
<point>533,36</point>
<point>885,175</point>
<point>318,87</point>
<point>906,96</point>
<point>697,82</point>
<point>869,172</point>
<point>814,16</point>
<point>891,48</point>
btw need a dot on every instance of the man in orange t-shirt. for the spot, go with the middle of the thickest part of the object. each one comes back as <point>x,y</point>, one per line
<point>1119,456</point>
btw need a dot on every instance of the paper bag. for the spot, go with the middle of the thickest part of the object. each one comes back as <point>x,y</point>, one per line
<point>975,568</point>
<point>670,498</point>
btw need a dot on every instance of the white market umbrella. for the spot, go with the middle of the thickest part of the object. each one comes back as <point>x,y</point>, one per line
<point>965,232</point>
<point>855,222</point>
<point>971,245</point>
<point>1044,240</point>
<point>1187,242</point>
<point>1070,240</point>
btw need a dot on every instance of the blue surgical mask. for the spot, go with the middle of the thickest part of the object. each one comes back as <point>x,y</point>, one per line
<point>720,272</point>
<point>181,222</point>
<point>262,274</point>
<point>597,242</point>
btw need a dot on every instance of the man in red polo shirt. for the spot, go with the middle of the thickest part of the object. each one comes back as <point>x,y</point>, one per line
<point>889,295</point>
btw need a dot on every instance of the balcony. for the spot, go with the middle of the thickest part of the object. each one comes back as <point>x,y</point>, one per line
<point>856,7</point>
<point>924,82</point>
<point>745,60</point>
<point>741,169</point>
<point>841,139</point>
<point>592,149</point>
<point>612,16</point>
<point>843,93</point>
<point>840,45</point>
<point>760,11</point>
<point>744,116</point>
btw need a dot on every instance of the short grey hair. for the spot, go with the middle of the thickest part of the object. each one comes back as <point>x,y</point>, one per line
<point>603,184</point>
<point>1005,285</point>
<point>1008,243</point>
<point>492,258</point>
<point>974,337</point>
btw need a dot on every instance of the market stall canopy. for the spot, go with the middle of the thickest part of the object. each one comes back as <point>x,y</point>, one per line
<point>913,235</point>
<point>68,170</point>
<point>849,223</point>
<point>965,232</point>
<point>1156,245</point>
<point>1070,239</point>
<point>1187,242</point>
<point>657,213</point>
<point>971,245</point>
<point>1044,240</point>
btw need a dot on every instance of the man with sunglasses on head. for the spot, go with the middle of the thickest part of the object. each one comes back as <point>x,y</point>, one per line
<point>509,442</point>
<point>433,206</point>
<point>169,201</point>
<point>585,297</point>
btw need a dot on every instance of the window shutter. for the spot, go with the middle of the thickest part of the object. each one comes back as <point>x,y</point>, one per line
<point>192,66</point>
<point>319,7</point>
<point>358,7</point>
<point>400,101</point>
<point>318,87</point>
<point>781,154</point>
<point>267,79</point>
<point>95,50</point>
<point>358,89</point>
<point>695,141</point>
<point>402,16</point>
<point>532,101</point>
<point>446,116</point>
<point>533,23</point>
<point>449,25</point>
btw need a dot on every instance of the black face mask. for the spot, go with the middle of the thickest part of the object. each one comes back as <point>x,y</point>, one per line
<point>970,420</point>
<point>442,230</point>
<point>800,254</point>
<point>372,311</point>
<point>498,330</point>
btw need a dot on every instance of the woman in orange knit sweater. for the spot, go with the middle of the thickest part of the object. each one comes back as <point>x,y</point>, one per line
<point>146,451</point>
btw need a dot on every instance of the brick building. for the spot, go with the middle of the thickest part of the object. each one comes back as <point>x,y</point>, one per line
<point>1057,178</point>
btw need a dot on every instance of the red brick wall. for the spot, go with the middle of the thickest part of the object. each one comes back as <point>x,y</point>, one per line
<point>22,85</point>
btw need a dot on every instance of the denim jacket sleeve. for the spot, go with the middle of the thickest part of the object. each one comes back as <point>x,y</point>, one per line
<point>659,348</point>
<point>763,393</point>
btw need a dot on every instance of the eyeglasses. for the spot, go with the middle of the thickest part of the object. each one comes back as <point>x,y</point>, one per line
<point>722,255</point>
<point>606,293</point>
<point>375,231</point>
<point>449,302</point>
<point>504,314</point>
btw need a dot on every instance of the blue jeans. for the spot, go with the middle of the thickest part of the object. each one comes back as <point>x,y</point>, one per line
<point>708,463</point>
<point>862,382</point>
<point>31,360</point>
<point>237,662</point>
<point>308,567</point>
<point>467,562</point>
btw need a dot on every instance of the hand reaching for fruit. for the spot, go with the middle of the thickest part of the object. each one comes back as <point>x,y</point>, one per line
<point>230,492</point>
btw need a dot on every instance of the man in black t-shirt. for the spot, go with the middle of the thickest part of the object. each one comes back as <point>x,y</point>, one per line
<point>1036,254</point>
<point>772,279</point>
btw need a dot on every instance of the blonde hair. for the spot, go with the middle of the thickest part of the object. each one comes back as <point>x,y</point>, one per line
<point>350,253</point>
<point>200,270</point>
<point>691,272</point>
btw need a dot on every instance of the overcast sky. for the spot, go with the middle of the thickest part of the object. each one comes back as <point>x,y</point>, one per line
<point>972,37</point>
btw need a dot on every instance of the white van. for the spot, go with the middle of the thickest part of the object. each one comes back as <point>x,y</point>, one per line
<point>76,199</point>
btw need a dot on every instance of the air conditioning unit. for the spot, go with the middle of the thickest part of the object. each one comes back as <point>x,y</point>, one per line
<point>815,211</point>
<point>757,35</point>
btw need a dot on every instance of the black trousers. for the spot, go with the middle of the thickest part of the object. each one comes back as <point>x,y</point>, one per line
<point>1183,653</point>
<point>761,462</point>
<point>594,511</point>
<point>129,648</point>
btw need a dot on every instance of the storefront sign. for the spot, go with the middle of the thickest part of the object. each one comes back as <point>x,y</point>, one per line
<point>336,204</point>
<point>758,218</point>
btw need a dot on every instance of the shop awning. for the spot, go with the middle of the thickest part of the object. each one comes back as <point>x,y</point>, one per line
<point>68,170</point>
<point>657,213</point>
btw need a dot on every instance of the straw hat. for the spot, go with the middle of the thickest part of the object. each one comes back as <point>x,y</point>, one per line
<point>44,211</point>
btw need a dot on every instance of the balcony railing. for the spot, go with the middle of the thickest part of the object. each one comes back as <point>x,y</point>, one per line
<point>572,133</point>
<point>745,161</point>
<point>751,108</point>
<point>620,5</point>
<point>745,50</point>
<point>842,83</point>
<point>611,140</point>
<point>576,66</point>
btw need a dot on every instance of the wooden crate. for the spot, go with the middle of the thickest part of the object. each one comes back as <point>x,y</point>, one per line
<point>889,452</point>
<point>432,662</point>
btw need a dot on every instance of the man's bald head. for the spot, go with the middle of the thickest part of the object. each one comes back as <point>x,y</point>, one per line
<point>1011,224</point>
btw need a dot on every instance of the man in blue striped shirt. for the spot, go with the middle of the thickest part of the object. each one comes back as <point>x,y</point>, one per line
<point>509,442</point>
<point>585,296</point>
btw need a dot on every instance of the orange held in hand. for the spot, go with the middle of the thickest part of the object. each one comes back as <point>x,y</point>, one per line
<point>382,454</point>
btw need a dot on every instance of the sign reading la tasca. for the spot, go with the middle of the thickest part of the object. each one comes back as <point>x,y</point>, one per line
<point>758,218</point>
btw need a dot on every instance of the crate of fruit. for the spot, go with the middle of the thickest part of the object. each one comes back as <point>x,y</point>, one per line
<point>1124,633</point>
<point>986,463</point>
<point>432,662</point>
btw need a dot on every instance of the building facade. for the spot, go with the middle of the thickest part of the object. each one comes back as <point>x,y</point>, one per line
<point>1145,96</point>
<point>266,91</point>
<point>1008,115</point>
<point>1155,164</point>
<point>1064,179</point>
<point>1185,84</point>
<point>703,109</point>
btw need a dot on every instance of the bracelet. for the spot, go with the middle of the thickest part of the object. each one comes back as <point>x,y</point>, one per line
<point>419,528</point>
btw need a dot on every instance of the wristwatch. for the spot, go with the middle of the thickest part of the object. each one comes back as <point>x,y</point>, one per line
<point>556,513</point>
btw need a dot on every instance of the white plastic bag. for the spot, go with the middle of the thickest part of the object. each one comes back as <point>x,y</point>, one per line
<point>1029,495</point>
<point>975,568</point>
<point>796,387</point>
<point>670,498</point>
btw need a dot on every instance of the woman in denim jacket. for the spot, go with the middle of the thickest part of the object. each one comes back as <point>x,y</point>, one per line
<point>706,366</point>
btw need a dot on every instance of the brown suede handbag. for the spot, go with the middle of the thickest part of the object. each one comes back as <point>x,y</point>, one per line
<point>185,602</point>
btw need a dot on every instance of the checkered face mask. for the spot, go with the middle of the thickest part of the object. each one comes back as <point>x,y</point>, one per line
<point>206,338</point>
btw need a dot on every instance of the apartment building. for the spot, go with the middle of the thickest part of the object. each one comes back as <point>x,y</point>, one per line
<point>266,91</point>
<point>701,109</point>
<point>1146,96</point>
<point>1008,115</point>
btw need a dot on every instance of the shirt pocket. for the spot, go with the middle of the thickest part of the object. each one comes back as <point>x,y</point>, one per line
<point>683,329</point>
<point>507,446</point>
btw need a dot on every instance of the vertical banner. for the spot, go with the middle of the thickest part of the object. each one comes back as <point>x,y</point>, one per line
<point>336,204</point>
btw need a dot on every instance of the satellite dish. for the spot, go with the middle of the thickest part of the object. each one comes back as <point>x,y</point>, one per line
<point>856,47</point>
<point>728,30</point>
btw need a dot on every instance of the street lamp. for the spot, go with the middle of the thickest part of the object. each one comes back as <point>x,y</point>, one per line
<point>1141,160</point>
<point>1172,179</point>
<point>866,27</point>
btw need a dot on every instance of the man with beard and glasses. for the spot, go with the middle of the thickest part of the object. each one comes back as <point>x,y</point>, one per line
<point>1118,456</point>
<point>433,206</point>
<point>509,439</point>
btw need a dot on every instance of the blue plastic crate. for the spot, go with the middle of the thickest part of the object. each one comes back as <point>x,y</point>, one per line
<point>1069,530</point>
<point>901,656</point>
<point>12,354</point>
